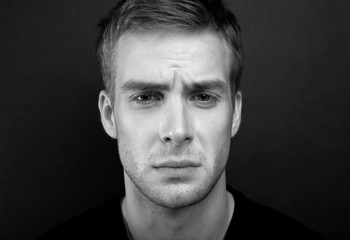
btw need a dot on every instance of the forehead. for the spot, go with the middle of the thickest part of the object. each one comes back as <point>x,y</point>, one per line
<point>157,56</point>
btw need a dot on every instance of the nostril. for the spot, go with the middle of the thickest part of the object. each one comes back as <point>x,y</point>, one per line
<point>177,141</point>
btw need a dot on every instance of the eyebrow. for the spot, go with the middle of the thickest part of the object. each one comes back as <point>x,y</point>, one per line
<point>142,85</point>
<point>203,85</point>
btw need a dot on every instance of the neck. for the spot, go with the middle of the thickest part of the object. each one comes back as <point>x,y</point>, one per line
<point>208,219</point>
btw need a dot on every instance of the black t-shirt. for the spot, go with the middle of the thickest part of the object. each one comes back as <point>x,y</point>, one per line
<point>250,220</point>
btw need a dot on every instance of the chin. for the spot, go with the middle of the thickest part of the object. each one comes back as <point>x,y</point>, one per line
<point>179,195</point>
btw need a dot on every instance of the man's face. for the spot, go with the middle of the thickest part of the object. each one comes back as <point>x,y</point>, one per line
<point>174,114</point>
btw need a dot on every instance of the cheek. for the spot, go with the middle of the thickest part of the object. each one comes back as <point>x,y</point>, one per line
<point>214,135</point>
<point>136,132</point>
<point>130,147</point>
<point>215,129</point>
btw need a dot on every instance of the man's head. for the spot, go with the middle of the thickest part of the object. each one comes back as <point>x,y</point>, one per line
<point>171,73</point>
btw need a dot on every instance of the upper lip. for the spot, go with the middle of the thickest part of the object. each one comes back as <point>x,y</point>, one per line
<point>177,164</point>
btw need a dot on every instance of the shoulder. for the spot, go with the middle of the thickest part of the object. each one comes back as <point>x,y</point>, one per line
<point>252,219</point>
<point>100,222</point>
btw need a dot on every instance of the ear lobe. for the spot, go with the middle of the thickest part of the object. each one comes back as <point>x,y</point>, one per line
<point>107,116</point>
<point>236,120</point>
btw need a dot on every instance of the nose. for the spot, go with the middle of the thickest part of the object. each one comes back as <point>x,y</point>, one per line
<point>176,125</point>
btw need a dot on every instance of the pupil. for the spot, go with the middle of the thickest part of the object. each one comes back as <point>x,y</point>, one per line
<point>145,97</point>
<point>203,97</point>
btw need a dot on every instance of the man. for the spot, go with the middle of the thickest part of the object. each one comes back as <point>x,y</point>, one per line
<point>172,70</point>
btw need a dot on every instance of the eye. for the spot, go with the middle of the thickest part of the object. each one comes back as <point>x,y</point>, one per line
<point>146,99</point>
<point>204,99</point>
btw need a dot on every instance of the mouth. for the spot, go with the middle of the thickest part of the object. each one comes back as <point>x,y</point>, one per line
<point>177,164</point>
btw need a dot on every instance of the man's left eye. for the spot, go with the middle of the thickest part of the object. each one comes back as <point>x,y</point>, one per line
<point>204,99</point>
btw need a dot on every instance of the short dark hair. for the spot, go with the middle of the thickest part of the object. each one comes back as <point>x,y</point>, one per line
<point>152,15</point>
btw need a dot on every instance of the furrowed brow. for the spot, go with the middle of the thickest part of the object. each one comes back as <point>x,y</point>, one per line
<point>207,85</point>
<point>142,85</point>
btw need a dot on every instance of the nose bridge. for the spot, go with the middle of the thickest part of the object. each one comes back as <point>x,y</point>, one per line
<point>176,125</point>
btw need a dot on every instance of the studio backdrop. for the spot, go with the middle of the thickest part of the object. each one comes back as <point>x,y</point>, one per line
<point>291,152</point>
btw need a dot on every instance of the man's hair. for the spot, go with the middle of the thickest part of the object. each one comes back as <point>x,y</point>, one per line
<point>190,16</point>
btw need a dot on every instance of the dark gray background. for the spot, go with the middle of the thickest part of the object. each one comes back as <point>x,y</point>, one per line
<point>292,151</point>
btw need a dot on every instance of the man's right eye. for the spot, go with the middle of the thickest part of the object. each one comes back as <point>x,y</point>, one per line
<point>147,99</point>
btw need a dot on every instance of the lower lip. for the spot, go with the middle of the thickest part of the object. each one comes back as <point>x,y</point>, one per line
<point>174,172</point>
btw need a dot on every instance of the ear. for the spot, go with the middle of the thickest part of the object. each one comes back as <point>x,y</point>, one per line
<point>107,116</point>
<point>236,121</point>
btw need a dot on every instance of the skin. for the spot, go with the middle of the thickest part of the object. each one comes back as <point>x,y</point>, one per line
<point>174,118</point>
